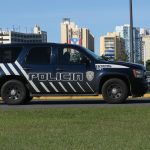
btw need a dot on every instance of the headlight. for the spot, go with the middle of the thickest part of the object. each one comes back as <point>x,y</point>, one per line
<point>138,73</point>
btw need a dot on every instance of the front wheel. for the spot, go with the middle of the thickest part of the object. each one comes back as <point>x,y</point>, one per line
<point>115,91</point>
<point>13,92</point>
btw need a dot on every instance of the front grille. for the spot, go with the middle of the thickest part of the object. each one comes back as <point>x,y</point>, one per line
<point>147,75</point>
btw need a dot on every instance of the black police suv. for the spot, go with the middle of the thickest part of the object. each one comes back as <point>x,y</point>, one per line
<point>28,70</point>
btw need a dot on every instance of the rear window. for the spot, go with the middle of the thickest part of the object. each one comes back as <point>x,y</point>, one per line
<point>39,55</point>
<point>9,54</point>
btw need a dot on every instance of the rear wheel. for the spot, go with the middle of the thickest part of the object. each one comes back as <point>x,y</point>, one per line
<point>115,91</point>
<point>13,92</point>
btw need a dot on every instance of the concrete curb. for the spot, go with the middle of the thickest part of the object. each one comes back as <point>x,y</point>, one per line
<point>78,97</point>
<point>68,97</point>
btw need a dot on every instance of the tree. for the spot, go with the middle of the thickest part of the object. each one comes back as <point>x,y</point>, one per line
<point>148,65</point>
<point>122,56</point>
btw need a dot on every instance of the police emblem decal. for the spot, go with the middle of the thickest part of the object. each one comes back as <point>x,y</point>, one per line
<point>90,75</point>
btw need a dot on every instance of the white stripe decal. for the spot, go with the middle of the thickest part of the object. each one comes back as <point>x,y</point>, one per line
<point>26,76</point>
<point>80,86</point>
<point>63,87</point>
<point>43,85</point>
<point>89,86</point>
<point>5,69</point>
<point>53,87</point>
<point>113,66</point>
<point>72,87</point>
<point>13,69</point>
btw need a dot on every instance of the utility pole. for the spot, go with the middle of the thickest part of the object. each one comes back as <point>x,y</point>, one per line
<point>131,33</point>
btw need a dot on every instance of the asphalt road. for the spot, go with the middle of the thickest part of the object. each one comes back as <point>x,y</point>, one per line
<point>41,104</point>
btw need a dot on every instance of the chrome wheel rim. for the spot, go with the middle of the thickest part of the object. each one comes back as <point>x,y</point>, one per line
<point>13,93</point>
<point>114,91</point>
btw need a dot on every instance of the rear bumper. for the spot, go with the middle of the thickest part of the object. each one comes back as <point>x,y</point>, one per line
<point>139,88</point>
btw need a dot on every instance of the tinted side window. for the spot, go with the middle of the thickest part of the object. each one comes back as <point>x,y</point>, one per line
<point>9,54</point>
<point>72,56</point>
<point>39,55</point>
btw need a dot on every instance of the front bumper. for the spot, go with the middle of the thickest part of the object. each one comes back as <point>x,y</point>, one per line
<point>139,87</point>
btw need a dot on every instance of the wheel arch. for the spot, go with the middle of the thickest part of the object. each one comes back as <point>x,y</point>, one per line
<point>4,79</point>
<point>111,76</point>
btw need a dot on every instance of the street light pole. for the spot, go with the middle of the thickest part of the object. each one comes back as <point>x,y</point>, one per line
<point>144,53</point>
<point>131,33</point>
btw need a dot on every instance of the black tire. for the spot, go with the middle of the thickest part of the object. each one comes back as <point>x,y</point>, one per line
<point>13,92</point>
<point>115,91</point>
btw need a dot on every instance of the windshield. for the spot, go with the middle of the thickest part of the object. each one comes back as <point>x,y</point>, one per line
<point>94,55</point>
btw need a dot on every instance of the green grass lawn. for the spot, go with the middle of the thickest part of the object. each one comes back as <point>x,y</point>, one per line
<point>125,128</point>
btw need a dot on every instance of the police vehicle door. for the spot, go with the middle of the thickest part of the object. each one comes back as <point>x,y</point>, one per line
<point>75,72</point>
<point>39,69</point>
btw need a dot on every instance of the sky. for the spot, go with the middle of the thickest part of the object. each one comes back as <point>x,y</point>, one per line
<point>100,16</point>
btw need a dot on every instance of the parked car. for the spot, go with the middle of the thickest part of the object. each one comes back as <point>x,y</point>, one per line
<point>28,70</point>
